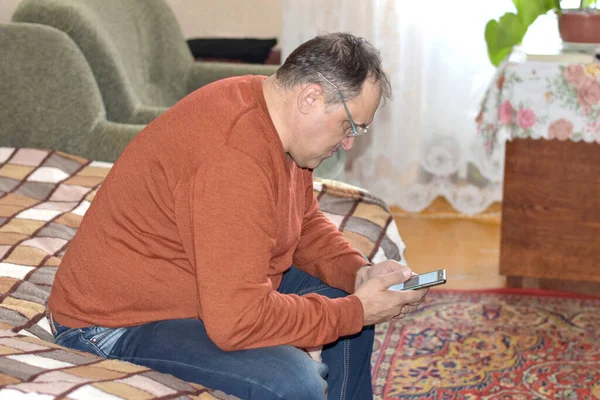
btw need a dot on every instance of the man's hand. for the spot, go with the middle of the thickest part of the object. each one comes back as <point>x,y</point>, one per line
<point>384,267</point>
<point>381,304</point>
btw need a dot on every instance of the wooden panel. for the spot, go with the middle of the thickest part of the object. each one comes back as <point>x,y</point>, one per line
<point>551,210</point>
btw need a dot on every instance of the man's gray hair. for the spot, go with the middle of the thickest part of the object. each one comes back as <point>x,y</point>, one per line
<point>343,59</point>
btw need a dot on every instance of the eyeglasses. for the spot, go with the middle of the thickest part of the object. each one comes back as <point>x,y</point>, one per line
<point>357,130</point>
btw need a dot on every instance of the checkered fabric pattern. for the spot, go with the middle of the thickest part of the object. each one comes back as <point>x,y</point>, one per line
<point>43,197</point>
<point>364,219</point>
<point>43,370</point>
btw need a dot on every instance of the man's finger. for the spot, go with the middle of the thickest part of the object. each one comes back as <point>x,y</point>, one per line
<point>399,276</point>
<point>413,296</point>
<point>417,303</point>
<point>408,309</point>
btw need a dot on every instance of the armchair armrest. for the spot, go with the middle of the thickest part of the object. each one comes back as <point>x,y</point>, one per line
<point>202,73</point>
<point>146,114</point>
<point>106,141</point>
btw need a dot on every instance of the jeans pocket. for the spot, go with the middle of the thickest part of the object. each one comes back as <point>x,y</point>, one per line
<point>95,339</point>
<point>101,339</point>
<point>66,338</point>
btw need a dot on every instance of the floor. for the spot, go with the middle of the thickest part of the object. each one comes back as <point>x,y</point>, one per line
<point>467,247</point>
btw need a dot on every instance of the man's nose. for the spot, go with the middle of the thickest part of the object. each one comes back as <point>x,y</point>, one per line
<point>347,143</point>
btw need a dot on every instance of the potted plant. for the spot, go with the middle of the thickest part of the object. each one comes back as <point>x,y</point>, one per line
<point>581,25</point>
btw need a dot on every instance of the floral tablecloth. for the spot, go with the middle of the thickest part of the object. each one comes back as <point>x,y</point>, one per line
<point>541,100</point>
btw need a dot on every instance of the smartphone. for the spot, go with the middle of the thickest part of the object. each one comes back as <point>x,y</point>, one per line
<point>426,280</point>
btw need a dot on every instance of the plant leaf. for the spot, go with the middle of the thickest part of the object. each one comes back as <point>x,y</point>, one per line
<point>588,3</point>
<point>529,10</point>
<point>510,30</point>
<point>502,35</point>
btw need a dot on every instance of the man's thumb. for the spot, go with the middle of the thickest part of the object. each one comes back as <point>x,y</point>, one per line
<point>399,276</point>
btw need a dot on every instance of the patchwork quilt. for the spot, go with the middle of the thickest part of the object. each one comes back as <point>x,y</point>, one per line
<point>43,197</point>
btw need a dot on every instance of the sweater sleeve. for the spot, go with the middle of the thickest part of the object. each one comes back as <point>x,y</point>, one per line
<point>323,251</point>
<point>234,234</point>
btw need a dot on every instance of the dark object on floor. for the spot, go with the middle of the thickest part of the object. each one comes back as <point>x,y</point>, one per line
<point>254,51</point>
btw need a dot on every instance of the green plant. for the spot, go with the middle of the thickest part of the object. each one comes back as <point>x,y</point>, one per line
<point>501,35</point>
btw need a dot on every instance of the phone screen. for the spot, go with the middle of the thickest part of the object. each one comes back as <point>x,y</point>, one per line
<point>428,279</point>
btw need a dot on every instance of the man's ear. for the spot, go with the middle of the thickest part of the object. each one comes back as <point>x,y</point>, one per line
<point>309,98</point>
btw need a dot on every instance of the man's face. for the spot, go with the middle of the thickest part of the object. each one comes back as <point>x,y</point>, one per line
<point>329,128</point>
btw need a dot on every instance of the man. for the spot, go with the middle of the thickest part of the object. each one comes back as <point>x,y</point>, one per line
<point>182,263</point>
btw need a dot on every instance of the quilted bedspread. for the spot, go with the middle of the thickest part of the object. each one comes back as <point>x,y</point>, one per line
<point>43,197</point>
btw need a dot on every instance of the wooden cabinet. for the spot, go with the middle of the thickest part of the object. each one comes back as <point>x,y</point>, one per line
<point>551,211</point>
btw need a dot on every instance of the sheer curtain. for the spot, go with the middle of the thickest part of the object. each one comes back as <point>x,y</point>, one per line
<point>424,142</point>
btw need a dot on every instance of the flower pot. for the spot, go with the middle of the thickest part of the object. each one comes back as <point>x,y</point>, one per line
<point>579,26</point>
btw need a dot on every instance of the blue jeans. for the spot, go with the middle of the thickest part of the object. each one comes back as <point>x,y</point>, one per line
<point>182,348</point>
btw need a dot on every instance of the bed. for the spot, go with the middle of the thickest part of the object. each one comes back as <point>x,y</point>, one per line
<point>43,197</point>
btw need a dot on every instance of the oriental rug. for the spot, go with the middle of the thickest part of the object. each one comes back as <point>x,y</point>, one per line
<point>499,344</point>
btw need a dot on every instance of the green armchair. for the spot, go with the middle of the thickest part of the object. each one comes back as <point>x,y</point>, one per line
<point>50,98</point>
<point>136,50</point>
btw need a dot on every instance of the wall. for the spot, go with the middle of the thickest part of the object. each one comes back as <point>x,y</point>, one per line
<point>212,18</point>
<point>6,10</point>
<point>229,18</point>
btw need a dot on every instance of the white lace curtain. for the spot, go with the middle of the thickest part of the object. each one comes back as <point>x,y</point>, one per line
<point>424,143</point>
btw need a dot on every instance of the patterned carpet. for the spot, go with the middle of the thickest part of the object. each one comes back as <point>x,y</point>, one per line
<point>503,344</point>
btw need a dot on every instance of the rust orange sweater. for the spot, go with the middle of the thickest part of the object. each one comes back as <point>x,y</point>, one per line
<point>199,218</point>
